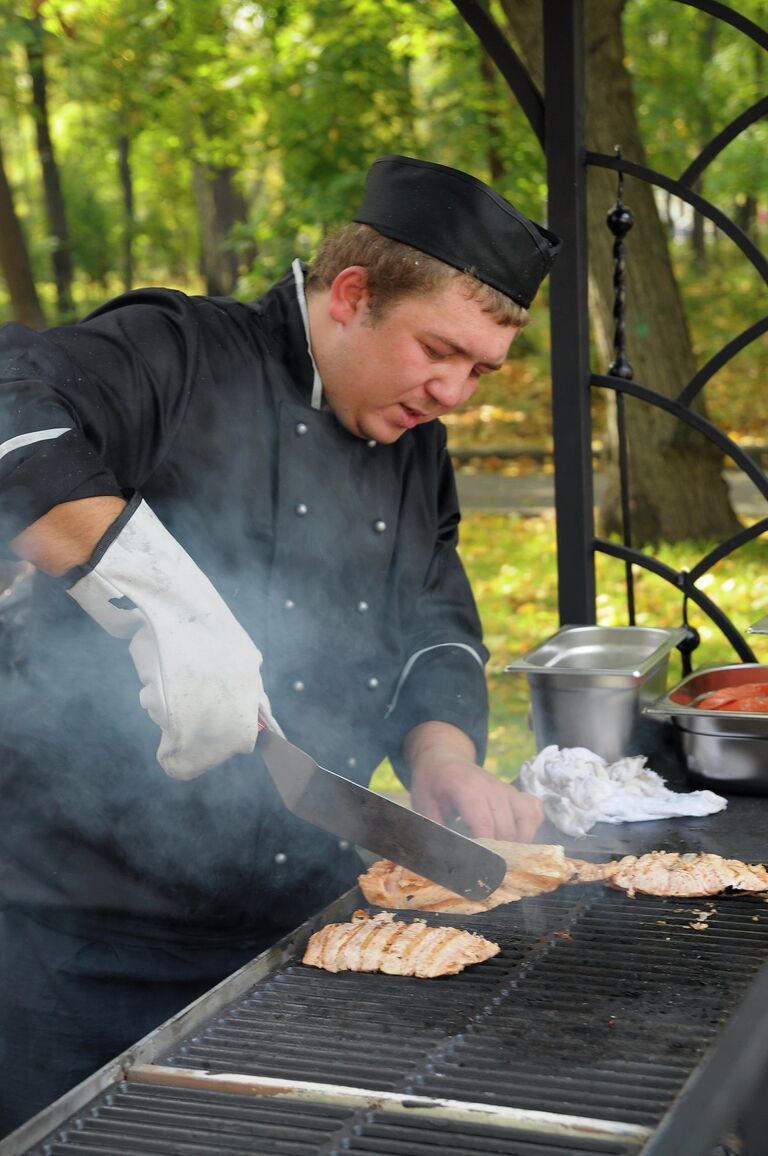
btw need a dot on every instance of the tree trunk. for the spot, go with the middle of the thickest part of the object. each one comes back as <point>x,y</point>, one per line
<point>677,490</point>
<point>54,201</point>
<point>745,214</point>
<point>219,208</point>
<point>14,260</point>
<point>126,186</point>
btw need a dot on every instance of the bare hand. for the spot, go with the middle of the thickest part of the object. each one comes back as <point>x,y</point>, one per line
<point>458,789</point>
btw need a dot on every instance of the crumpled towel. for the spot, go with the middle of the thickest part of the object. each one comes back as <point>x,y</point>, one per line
<point>579,788</point>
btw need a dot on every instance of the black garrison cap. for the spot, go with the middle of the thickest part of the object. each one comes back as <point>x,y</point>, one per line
<point>456,218</point>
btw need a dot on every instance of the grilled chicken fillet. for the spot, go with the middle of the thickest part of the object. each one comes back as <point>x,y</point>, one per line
<point>380,943</point>
<point>532,869</point>
<point>673,874</point>
<point>587,872</point>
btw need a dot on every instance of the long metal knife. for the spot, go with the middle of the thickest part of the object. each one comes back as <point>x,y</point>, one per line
<point>352,812</point>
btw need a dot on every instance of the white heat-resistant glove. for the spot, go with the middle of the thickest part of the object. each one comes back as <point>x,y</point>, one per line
<point>201,673</point>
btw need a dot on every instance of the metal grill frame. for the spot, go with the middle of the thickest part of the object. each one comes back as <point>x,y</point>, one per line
<point>718,1088</point>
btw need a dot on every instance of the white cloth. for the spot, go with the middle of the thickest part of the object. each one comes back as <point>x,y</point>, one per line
<point>201,671</point>
<point>579,788</point>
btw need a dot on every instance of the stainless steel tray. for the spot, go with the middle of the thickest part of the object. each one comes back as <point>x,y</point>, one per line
<point>622,654</point>
<point>680,703</point>
<point>587,684</point>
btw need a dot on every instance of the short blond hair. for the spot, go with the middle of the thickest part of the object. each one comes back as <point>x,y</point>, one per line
<point>396,270</point>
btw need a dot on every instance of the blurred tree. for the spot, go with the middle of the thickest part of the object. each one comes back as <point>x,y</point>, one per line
<point>343,82</point>
<point>14,259</point>
<point>209,79</point>
<point>117,73</point>
<point>110,71</point>
<point>34,40</point>
<point>677,490</point>
<point>692,75</point>
<point>334,80</point>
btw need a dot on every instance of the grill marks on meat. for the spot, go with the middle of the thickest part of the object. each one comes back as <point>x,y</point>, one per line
<point>380,943</point>
<point>532,869</point>
<point>669,873</point>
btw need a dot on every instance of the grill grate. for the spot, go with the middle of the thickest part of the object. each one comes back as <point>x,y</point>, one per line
<point>598,1005</point>
<point>146,1120</point>
<point>610,1021</point>
<point>370,1031</point>
<point>140,1119</point>
<point>424,1137</point>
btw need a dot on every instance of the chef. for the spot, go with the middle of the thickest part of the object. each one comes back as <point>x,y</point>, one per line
<point>237,511</point>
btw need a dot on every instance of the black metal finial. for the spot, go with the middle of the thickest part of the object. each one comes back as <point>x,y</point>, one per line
<point>620,221</point>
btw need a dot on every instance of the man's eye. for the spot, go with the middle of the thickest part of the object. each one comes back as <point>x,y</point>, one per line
<point>435,354</point>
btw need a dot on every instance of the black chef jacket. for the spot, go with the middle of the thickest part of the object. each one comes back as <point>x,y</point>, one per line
<point>337,555</point>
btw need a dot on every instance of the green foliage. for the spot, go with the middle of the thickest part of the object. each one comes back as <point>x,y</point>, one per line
<point>298,96</point>
<point>692,75</point>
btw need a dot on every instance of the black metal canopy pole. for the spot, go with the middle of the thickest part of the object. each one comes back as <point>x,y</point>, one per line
<point>567,216</point>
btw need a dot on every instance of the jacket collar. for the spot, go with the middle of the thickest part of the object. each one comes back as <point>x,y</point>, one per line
<point>280,306</point>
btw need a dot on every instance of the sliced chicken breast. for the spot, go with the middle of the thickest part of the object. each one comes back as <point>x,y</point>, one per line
<point>380,943</point>
<point>673,874</point>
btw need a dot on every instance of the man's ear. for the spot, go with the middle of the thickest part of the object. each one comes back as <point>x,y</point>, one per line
<point>349,294</point>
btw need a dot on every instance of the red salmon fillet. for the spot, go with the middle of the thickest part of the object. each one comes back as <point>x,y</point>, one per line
<point>750,696</point>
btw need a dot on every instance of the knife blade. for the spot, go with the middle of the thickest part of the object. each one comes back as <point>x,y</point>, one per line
<point>363,817</point>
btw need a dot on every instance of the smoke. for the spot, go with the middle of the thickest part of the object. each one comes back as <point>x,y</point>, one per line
<point>318,550</point>
<point>94,821</point>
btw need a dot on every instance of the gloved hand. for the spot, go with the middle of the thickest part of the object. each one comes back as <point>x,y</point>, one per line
<point>200,670</point>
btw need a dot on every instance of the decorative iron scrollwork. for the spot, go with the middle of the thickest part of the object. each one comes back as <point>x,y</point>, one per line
<point>619,221</point>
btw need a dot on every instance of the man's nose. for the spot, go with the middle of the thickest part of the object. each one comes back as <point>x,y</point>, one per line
<point>450,388</point>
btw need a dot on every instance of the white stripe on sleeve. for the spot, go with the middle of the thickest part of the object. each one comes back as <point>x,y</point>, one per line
<point>415,657</point>
<point>28,439</point>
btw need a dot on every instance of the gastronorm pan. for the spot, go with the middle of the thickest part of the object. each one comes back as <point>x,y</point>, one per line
<point>587,684</point>
<point>721,748</point>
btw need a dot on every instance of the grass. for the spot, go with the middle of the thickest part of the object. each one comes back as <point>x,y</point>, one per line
<point>511,562</point>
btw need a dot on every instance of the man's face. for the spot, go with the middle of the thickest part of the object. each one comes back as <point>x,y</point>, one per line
<point>421,360</point>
